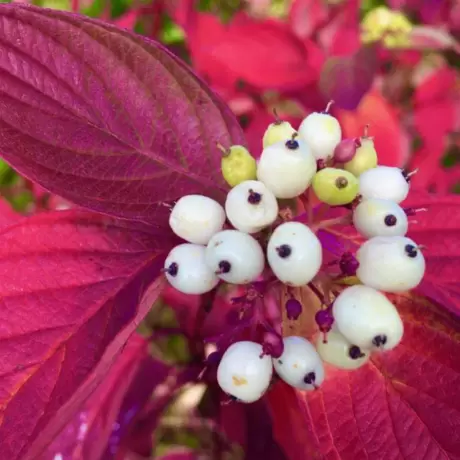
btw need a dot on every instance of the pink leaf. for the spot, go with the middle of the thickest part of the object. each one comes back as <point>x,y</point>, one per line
<point>432,38</point>
<point>306,15</point>
<point>74,287</point>
<point>104,118</point>
<point>7,215</point>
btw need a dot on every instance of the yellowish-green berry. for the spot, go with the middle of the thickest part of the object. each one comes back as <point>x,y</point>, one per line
<point>335,187</point>
<point>365,158</point>
<point>277,132</point>
<point>238,165</point>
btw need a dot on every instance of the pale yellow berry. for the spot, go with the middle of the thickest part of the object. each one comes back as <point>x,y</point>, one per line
<point>238,165</point>
<point>365,158</point>
<point>277,132</point>
<point>335,187</point>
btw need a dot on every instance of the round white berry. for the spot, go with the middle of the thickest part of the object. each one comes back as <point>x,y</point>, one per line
<point>235,257</point>
<point>339,352</point>
<point>251,206</point>
<point>367,319</point>
<point>195,218</point>
<point>186,269</point>
<point>384,182</point>
<point>244,372</point>
<point>294,253</point>
<point>390,263</point>
<point>322,133</point>
<point>287,168</point>
<point>376,217</point>
<point>300,365</point>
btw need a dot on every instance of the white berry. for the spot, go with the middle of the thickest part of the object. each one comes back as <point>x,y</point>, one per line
<point>251,206</point>
<point>322,133</point>
<point>195,218</point>
<point>186,269</point>
<point>300,365</point>
<point>287,168</point>
<point>294,253</point>
<point>384,182</point>
<point>244,372</point>
<point>367,318</point>
<point>235,257</point>
<point>390,263</point>
<point>339,352</point>
<point>376,217</point>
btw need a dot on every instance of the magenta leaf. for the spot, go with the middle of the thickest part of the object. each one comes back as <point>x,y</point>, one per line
<point>104,118</point>
<point>346,79</point>
<point>74,287</point>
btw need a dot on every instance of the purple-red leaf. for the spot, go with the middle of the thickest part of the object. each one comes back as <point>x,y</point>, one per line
<point>74,287</point>
<point>104,118</point>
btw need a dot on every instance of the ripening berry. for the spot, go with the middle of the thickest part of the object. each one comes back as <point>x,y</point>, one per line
<point>237,165</point>
<point>365,158</point>
<point>385,183</point>
<point>345,150</point>
<point>287,168</point>
<point>251,206</point>
<point>380,218</point>
<point>279,131</point>
<point>244,371</point>
<point>235,257</point>
<point>339,352</point>
<point>300,365</point>
<point>367,319</point>
<point>294,253</point>
<point>186,270</point>
<point>335,187</point>
<point>195,218</point>
<point>390,263</point>
<point>322,133</point>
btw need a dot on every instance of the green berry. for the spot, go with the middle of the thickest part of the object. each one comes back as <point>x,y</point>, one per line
<point>277,132</point>
<point>335,187</point>
<point>365,157</point>
<point>238,165</point>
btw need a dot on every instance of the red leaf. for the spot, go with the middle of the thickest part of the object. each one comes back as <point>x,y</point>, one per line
<point>391,141</point>
<point>432,38</point>
<point>180,454</point>
<point>347,79</point>
<point>104,118</point>
<point>7,215</point>
<point>71,294</point>
<point>403,404</point>
<point>263,54</point>
<point>306,15</point>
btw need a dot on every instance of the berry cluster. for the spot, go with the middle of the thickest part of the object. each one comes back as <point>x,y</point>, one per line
<point>232,244</point>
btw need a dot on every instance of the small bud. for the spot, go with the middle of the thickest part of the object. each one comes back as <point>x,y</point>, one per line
<point>273,344</point>
<point>293,309</point>
<point>324,320</point>
<point>348,264</point>
<point>346,150</point>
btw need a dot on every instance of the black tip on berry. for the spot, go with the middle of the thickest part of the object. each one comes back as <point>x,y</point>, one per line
<point>254,197</point>
<point>379,340</point>
<point>411,250</point>
<point>390,220</point>
<point>355,352</point>
<point>310,378</point>
<point>292,144</point>
<point>341,182</point>
<point>284,251</point>
<point>173,269</point>
<point>224,266</point>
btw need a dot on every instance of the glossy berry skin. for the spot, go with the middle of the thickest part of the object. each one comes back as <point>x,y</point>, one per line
<point>279,131</point>
<point>191,275</point>
<point>244,372</point>
<point>251,206</point>
<point>299,264</point>
<point>385,183</point>
<point>238,165</point>
<point>287,171</point>
<point>195,218</point>
<point>339,352</point>
<point>390,263</point>
<point>335,187</point>
<point>345,150</point>
<point>322,133</point>
<point>376,217</point>
<point>367,319</point>
<point>300,365</point>
<point>364,159</point>
<point>236,255</point>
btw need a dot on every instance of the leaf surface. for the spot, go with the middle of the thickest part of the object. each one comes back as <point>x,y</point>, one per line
<point>74,287</point>
<point>104,118</point>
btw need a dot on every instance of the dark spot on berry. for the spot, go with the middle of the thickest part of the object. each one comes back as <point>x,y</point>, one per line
<point>310,378</point>
<point>390,220</point>
<point>341,182</point>
<point>411,250</point>
<point>405,174</point>
<point>379,340</point>
<point>254,197</point>
<point>292,144</point>
<point>355,352</point>
<point>280,362</point>
<point>284,251</point>
<point>233,398</point>
<point>173,269</point>
<point>224,266</point>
